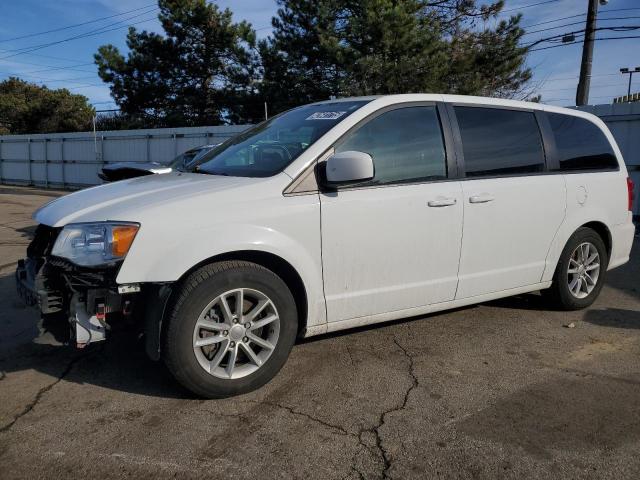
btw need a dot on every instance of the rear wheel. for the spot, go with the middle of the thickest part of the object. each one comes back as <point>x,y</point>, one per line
<point>231,329</point>
<point>580,272</point>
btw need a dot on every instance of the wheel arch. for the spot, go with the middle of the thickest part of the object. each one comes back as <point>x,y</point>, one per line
<point>277,265</point>
<point>602,230</point>
<point>597,226</point>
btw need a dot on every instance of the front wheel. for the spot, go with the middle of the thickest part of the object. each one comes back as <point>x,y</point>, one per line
<point>580,272</point>
<point>230,330</point>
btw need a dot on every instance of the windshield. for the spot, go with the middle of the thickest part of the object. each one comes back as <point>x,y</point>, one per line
<point>271,146</point>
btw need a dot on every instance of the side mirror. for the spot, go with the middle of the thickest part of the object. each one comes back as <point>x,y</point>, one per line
<point>349,167</point>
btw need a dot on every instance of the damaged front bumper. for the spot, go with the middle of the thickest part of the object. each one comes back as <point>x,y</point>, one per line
<point>89,298</point>
<point>31,288</point>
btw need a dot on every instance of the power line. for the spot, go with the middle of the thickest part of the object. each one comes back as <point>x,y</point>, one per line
<point>569,99</point>
<point>45,82</point>
<point>578,23</point>
<point>561,36</point>
<point>36,34</point>
<point>576,77</point>
<point>88,33</point>
<point>620,10</point>
<point>545,100</point>
<point>85,86</point>
<point>66,79</point>
<point>100,30</point>
<point>84,35</point>
<point>51,67</point>
<point>38,79</point>
<point>578,15</point>
<point>529,6</point>
<point>573,88</point>
<point>50,57</point>
<point>578,41</point>
<point>551,21</point>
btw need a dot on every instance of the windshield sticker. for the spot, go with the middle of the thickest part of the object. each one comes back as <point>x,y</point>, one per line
<point>325,116</point>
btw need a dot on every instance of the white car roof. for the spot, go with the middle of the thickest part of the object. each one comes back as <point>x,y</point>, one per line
<point>384,100</point>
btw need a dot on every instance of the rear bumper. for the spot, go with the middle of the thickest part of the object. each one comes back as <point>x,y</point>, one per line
<point>622,240</point>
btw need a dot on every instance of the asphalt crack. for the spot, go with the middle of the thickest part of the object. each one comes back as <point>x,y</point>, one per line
<point>351,362</point>
<point>293,411</point>
<point>360,475</point>
<point>337,428</point>
<point>32,404</point>
<point>386,457</point>
<point>379,451</point>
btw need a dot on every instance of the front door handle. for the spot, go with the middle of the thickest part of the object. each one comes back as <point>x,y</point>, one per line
<point>441,202</point>
<point>482,198</point>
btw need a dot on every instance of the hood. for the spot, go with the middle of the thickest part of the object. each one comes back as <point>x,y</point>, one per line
<point>121,200</point>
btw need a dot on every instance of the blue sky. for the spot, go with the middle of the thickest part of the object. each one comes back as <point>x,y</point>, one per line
<point>70,63</point>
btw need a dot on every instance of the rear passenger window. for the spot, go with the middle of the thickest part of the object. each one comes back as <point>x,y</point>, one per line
<point>580,144</point>
<point>406,145</point>
<point>499,142</point>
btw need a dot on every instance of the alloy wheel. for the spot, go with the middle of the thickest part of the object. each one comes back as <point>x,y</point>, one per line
<point>584,270</point>
<point>236,333</point>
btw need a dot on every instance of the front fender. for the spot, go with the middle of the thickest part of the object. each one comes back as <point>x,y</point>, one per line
<point>161,257</point>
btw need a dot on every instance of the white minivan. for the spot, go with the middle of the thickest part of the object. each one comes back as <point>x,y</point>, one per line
<point>335,215</point>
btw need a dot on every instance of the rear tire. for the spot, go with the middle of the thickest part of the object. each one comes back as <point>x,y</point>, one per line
<point>580,273</point>
<point>215,349</point>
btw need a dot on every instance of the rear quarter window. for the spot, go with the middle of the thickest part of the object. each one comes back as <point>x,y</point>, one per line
<point>580,144</point>
<point>498,141</point>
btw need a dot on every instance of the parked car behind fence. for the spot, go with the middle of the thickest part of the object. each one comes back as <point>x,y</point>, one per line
<point>122,170</point>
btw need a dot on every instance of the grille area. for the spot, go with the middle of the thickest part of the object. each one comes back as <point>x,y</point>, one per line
<point>43,241</point>
<point>34,275</point>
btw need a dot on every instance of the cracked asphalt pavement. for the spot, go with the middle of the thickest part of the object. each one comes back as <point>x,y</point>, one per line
<point>499,390</point>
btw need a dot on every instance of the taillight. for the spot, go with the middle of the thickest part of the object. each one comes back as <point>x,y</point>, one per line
<point>630,192</point>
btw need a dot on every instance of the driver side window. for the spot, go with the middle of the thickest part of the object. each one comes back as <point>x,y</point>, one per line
<point>406,145</point>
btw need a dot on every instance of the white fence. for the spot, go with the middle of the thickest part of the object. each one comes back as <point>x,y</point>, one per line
<point>74,159</point>
<point>623,119</point>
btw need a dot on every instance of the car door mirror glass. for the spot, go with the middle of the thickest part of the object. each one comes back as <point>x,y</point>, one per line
<point>349,167</point>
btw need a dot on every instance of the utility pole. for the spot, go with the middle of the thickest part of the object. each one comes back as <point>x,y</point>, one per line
<point>582,95</point>
<point>628,71</point>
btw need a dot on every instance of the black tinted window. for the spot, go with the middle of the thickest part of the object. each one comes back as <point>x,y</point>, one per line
<point>499,142</point>
<point>580,144</point>
<point>406,145</point>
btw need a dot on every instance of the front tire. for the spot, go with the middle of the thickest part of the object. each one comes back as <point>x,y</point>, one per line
<point>230,330</point>
<point>580,272</point>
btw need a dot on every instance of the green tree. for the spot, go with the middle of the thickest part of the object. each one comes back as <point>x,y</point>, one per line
<point>29,108</point>
<point>321,48</point>
<point>299,63</point>
<point>201,72</point>
<point>390,46</point>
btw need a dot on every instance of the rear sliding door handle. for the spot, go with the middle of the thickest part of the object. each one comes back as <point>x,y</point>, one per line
<point>482,198</point>
<point>441,202</point>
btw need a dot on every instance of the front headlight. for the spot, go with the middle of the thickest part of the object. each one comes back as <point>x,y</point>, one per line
<point>93,244</point>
